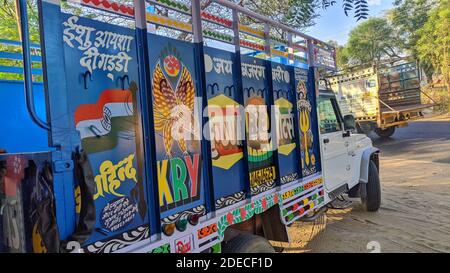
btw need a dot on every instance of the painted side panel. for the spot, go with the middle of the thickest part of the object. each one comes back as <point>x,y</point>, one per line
<point>103,101</point>
<point>177,123</point>
<point>260,151</point>
<point>226,132</point>
<point>307,118</point>
<point>284,99</point>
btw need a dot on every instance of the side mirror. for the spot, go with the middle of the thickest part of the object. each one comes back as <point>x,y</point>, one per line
<point>349,123</point>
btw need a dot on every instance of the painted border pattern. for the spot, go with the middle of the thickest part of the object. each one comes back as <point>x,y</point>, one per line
<point>199,210</point>
<point>226,201</point>
<point>110,6</point>
<point>245,212</point>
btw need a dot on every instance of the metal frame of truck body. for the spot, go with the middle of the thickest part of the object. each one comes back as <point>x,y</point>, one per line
<point>386,115</point>
<point>293,200</point>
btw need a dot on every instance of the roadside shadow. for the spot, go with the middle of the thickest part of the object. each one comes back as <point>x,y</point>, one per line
<point>314,235</point>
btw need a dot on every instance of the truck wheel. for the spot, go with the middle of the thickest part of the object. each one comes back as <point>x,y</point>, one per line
<point>247,243</point>
<point>384,133</point>
<point>371,200</point>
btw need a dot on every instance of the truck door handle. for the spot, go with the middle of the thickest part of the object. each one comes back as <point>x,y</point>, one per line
<point>326,140</point>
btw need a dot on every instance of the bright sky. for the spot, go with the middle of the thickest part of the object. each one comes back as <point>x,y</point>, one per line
<point>334,25</point>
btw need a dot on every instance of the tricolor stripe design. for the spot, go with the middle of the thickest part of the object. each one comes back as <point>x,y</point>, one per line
<point>94,120</point>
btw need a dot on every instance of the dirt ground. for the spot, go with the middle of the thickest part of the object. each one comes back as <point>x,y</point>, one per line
<point>415,210</point>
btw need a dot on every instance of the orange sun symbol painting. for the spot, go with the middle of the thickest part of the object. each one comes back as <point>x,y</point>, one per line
<point>174,109</point>
<point>172,65</point>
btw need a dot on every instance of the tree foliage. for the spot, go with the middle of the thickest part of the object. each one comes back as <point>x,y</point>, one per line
<point>342,55</point>
<point>433,43</point>
<point>371,41</point>
<point>9,23</point>
<point>407,17</point>
<point>301,14</point>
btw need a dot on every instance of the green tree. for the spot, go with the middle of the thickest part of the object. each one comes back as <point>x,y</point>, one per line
<point>301,14</point>
<point>433,44</point>
<point>9,31</point>
<point>342,55</point>
<point>372,41</point>
<point>407,17</point>
<point>9,23</point>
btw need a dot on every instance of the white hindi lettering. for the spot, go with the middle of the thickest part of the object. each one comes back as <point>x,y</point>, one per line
<point>80,37</point>
<point>222,66</point>
<point>280,75</point>
<point>253,71</point>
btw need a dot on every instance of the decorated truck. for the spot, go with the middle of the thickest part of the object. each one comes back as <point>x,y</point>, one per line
<point>382,97</point>
<point>126,130</point>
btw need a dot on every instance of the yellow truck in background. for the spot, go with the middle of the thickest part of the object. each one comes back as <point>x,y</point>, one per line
<point>381,98</point>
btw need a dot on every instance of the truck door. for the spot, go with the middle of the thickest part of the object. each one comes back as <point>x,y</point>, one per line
<point>334,145</point>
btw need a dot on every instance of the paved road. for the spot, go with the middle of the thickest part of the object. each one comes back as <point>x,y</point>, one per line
<point>415,211</point>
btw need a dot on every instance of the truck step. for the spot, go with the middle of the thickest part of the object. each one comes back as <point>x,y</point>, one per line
<point>340,203</point>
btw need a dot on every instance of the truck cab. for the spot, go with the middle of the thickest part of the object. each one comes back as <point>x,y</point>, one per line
<point>345,153</point>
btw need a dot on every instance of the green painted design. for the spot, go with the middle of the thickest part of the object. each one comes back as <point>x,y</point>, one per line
<point>162,249</point>
<point>300,59</point>
<point>217,248</point>
<point>259,158</point>
<point>217,35</point>
<point>174,5</point>
<point>280,40</point>
<point>290,216</point>
<point>237,215</point>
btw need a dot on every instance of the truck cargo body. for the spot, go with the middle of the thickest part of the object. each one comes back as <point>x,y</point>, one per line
<point>132,141</point>
<point>381,98</point>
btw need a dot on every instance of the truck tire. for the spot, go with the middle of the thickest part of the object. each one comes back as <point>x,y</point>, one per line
<point>371,200</point>
<point>385,133</point>
<point>247,243</point>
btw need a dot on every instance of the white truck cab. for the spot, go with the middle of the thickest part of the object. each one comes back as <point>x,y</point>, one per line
<point>350,162</point>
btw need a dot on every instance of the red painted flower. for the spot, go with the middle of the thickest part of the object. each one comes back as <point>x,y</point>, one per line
<point>230,218</point>
<point>264,203</point>
<point>243,213</point>
<point>172,65</point>
<point>275,198</point>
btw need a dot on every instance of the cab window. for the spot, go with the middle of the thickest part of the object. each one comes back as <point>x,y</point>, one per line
<point>328,115</point>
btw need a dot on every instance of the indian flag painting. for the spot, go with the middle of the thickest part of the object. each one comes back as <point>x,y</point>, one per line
<point>101,124</point>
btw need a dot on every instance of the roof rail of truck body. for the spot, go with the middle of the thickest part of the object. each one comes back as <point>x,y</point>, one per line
<point>296,44</point>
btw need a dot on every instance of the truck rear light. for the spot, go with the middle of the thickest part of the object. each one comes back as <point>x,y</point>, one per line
<point>168,229</point>
<point>193,219</point>
<point>181,224</point>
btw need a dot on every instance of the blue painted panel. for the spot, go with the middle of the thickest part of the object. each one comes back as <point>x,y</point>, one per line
<point>225,125</point>
<point>19,70</point>
<point>19,134</point>
<point>255,82</point>
<point>17,43</point>
<point>103,101</point>
<point>18,56</point>
<point>177,119</point>
<point>307,118</point>
<point>284,97</point>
